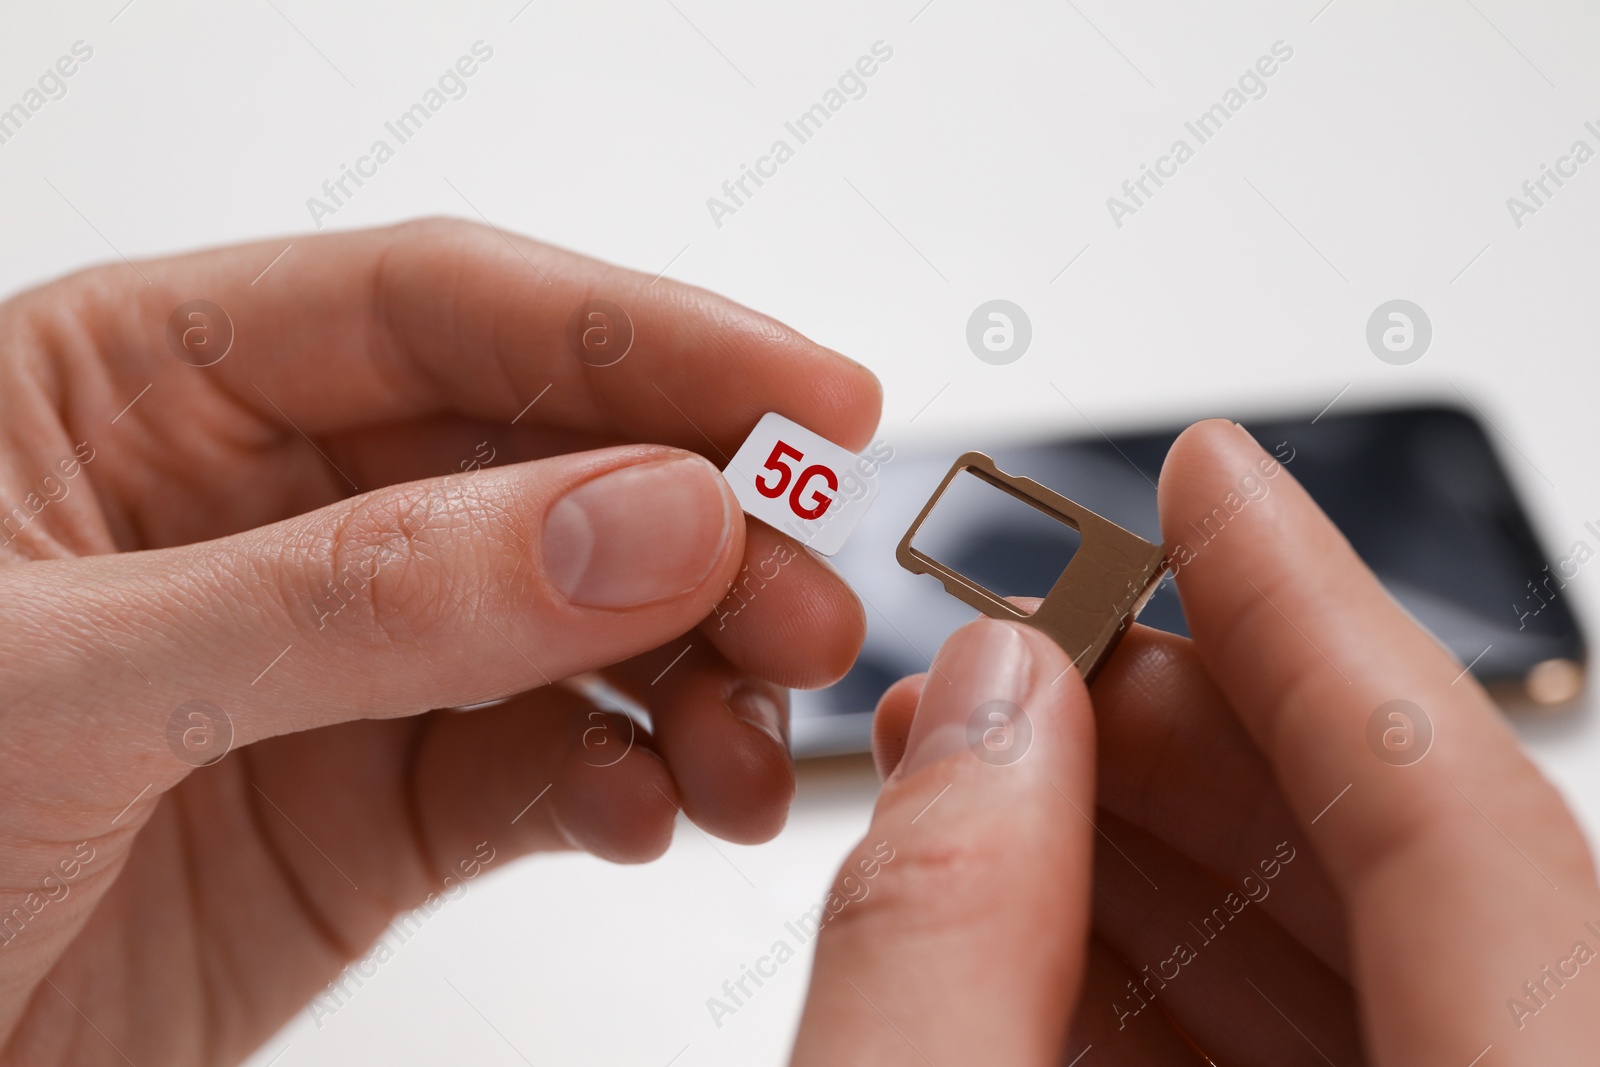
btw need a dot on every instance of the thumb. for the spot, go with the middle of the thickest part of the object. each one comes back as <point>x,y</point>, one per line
<point>436,593</point>
<point>957,930</point>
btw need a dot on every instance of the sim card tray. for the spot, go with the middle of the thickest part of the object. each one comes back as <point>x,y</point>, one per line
<point>1103,588</point>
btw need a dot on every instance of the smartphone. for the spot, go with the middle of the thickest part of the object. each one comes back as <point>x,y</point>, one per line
<point>1419,491</point>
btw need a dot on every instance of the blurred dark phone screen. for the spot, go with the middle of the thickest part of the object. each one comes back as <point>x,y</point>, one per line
<point>1419,491</point>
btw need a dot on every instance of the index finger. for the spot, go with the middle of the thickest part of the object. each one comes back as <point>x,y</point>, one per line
<point>440,315</point>
<point>1461,869</point>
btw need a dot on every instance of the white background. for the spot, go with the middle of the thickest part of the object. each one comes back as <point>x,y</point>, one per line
<point>977,166</point>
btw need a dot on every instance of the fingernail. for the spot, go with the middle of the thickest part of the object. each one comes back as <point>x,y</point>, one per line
<point>638,534</point>
<point>756,706</point>
<point>984,662</point>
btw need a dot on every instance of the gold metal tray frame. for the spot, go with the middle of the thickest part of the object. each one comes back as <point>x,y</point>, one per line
<point>1102,590</point>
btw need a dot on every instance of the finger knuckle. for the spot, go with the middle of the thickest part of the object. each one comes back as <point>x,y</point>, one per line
<point>917,886</point>
<point>398,565</point>
<point>442,235</point>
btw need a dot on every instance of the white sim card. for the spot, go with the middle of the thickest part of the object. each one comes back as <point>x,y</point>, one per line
<point>802,484</point>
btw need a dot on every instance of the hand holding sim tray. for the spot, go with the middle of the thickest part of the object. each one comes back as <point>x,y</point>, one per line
<point>1102,590</point>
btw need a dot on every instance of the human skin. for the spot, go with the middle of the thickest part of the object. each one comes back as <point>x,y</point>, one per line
<point>206,551</point>
<point>1416,905</point>
<point>315,495</point>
